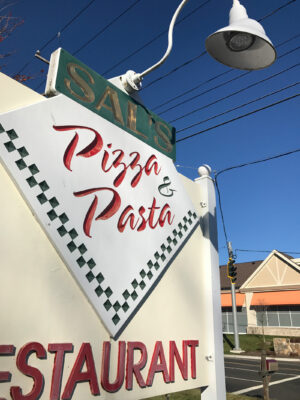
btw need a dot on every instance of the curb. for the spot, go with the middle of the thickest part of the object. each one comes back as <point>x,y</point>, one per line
<point>258,358</point>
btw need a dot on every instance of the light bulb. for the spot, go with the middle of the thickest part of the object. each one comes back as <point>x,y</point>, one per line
<point>239,41</point>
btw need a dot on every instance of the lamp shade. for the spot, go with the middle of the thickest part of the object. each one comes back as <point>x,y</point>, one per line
<point>243,44</point>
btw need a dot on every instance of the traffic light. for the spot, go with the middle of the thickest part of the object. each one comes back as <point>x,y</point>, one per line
<point>231,270</point>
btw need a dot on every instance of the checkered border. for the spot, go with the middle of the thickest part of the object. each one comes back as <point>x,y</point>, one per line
<point>61,218</point>
<point>153,265</point>
<point>146,274</point>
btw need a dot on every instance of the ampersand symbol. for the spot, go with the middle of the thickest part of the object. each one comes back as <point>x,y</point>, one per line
<point>164,189</point>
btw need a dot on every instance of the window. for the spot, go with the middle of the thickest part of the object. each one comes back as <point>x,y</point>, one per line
<point>285,316</point>
<point>227,320</point>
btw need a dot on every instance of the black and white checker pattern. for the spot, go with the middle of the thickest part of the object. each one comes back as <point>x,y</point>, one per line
<point>51,204</point>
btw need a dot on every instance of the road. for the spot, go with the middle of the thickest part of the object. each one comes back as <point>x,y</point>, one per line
<point>242,378</point>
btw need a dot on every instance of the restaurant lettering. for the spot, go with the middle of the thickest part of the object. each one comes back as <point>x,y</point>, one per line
<point>128,372</point>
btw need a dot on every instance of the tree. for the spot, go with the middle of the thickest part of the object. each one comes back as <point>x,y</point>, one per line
<point>8,24</point>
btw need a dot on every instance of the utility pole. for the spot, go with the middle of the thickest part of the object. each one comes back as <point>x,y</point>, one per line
<point>233,300</point>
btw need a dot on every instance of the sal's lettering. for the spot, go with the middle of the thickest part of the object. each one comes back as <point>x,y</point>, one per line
<point>112,104</point>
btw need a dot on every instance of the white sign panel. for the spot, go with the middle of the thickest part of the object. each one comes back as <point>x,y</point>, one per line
<point>113,206</point>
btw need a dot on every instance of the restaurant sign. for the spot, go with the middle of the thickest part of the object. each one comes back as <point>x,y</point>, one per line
<point>113,206</point>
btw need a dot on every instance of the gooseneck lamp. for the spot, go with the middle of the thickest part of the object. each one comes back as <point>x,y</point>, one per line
<point>243,44</point>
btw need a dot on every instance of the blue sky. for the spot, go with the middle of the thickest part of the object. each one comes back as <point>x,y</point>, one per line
<point>260,202</point>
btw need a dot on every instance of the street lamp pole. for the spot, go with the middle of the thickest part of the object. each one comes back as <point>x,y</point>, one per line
<point>242,44</point>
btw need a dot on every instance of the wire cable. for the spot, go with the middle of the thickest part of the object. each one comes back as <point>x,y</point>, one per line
<point>221,209</point>
<point>154,38</point>
<point>238,107</point>
<point>277,9</point>
<point>215,77</point>
<point>288,153</point>
<point>192,89</point>
<point>70,22</point>
<point>217,174</point>
<point>89,41</point>
<point>205,92</point>
<point>267,251</point>
<point>239,117</point>
<point>221,85</point>
<point>176,68</point>
<point>235,93</point>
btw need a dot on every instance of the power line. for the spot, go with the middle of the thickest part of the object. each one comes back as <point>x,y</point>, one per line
<point>89,41</point>
<point>176,69</point>
<point>217,174</point>
<point>238,107</point>
<point>154,38</point>
<point>221,85</point>
<point>97,34</point>
<point>221,209</point>
<point>239,117</point>
<point>205,92</point>
<point>288,40</point>
<point>70,22</point>
<point>192,89</point>
<point>184,166</point>
<point>266,251</point>
<point>235,93</point>
<point>277,9</point>
<point>288,153</point>
<point>215,77</point>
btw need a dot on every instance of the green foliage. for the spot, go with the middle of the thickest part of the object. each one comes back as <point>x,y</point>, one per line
<point>193,394</point>
<point>248,343</point>
<point>239,397</point>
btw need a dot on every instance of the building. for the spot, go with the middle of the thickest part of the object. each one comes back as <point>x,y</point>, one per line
<point>267,296</point>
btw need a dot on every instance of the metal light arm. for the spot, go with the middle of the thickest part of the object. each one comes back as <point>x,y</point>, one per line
<point>170,41</point>
<point>132,80</point>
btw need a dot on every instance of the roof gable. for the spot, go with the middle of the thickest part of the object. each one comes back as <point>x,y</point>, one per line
<point>275,272</point>
<point>244,271</point>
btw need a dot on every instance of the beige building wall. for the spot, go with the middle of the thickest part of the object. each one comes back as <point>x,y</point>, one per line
<point>15,95</point>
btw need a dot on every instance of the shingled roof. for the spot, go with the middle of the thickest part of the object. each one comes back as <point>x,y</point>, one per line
<point>244,270</point>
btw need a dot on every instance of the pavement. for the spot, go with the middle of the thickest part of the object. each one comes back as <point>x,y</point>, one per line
<point>248,357</point>
<point>242,377</point>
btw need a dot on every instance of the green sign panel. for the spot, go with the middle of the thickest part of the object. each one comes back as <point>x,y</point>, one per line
<point>71,77</point>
